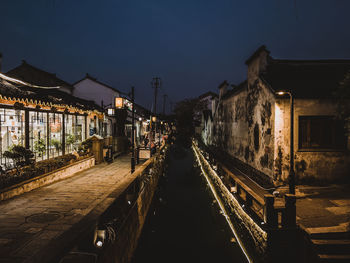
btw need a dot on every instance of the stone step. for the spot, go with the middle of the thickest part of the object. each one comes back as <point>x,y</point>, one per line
<point>328,233</point>
<point>332,246</point>
<point>325,258</point>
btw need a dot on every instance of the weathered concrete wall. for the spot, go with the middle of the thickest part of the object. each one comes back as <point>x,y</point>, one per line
<point>206,131</point>
<point>323,164</point>
<point>244,127</point>
<point>254,127</point>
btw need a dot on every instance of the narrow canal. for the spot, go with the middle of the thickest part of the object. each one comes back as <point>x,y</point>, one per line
<point>184,223</point>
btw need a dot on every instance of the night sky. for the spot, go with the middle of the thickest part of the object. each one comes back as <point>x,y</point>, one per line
<point>193,45</point>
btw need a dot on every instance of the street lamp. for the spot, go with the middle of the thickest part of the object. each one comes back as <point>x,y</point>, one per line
<point>133,131</point>
<point>154,127</point>
<point>291,159</point>
<point>119,104</point>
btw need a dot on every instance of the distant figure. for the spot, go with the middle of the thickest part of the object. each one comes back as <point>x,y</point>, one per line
<point>145,141</point>
<point>153,148</point>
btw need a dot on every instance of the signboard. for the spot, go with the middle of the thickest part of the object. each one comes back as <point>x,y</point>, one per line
<point>119,103</point>
<point>144,153</point>
<point>128,104</point>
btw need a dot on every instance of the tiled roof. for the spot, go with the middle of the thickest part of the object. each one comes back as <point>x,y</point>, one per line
<point>235,89</point>
<point>256,53</point>
<point>209,93</point>
<point>12,90</point>
<point>33,75</point>
<point>306,78</point>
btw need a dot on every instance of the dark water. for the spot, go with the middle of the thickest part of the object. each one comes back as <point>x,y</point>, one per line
<point>184,224</point>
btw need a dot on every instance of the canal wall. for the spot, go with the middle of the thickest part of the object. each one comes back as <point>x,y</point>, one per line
<point>110,233</point>
<point>130,212</point>
<point>263,225</point>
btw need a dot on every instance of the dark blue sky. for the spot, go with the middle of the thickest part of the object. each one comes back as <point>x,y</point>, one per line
<point>193,45</point>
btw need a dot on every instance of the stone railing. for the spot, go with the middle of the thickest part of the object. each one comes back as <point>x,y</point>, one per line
<point>274,212</point>
<point>267,223</point>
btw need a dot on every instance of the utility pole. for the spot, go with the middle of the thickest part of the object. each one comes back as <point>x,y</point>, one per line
<point>155,84</point>
<point>164,98</point>
<point>133,131</point>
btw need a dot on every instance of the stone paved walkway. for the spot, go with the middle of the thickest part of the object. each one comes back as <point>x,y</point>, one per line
<point>324,209</point>
<point>29,223</point>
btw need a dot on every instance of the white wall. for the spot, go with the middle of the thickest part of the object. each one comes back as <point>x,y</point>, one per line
<point>91,90</point>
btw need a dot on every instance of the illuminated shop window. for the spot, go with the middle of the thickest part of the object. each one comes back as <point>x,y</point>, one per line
<point>55,136</point>
<point>38,134</point>
<point>93,126</point>
<point>70,123</point>
<point>12,131</point>
<point>80,128</point>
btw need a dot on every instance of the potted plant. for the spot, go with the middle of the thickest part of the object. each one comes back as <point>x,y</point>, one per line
<point>20,156</point>
<point>85,147</point>
<point>56,143</point>
<point>70,140</point>
<point>39,147</point>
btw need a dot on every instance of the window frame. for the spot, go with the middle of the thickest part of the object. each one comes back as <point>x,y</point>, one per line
<point>332,147</point>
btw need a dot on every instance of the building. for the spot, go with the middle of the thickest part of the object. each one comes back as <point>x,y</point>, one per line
<point>204,111</point>
<point>90,88</point>
<point>36,76</point>
<point>46,120</point>
<point>39,77</point>
<point>209,100</point>
<point>252,123</point>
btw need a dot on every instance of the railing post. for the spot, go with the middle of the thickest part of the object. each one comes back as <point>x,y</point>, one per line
<point>270,215</point>
<point>290,211</point>
<point>248,201</point>
<point>137,154</point>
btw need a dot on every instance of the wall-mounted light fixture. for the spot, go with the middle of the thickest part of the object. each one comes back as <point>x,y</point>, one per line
<point>111,111</point>
<point>99,238</point>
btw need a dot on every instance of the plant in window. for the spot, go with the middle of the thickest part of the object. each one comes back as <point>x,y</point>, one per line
<point>39,146</point>
<point>70,140</point>
<point>56,143</point>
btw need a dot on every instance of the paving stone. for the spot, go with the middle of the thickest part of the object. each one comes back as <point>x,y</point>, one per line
<point>32,247</point>
<point>4,241</point>
<point>72,198</point>
<point>60,226</point>
<point>33,230</point>
<point>49,234</point>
